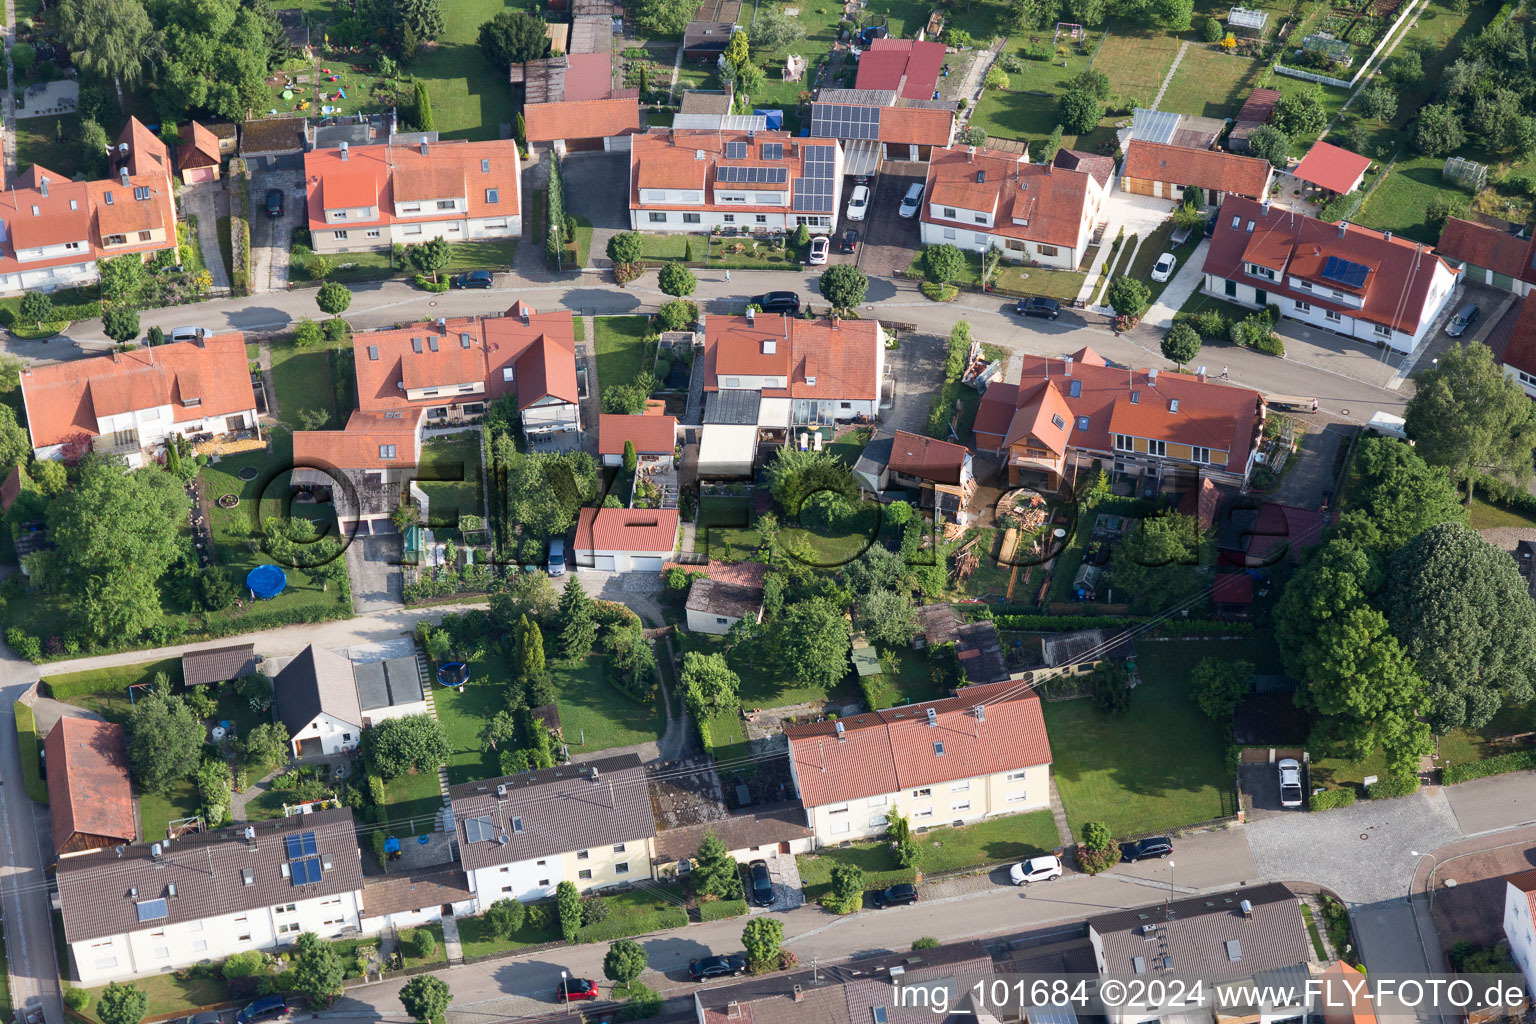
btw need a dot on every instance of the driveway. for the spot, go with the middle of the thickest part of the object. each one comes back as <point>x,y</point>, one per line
<point>914,367</point>
<point>1261,791</point>
<point>890,241</point>
<point>1309,473</point>
<point>271,236</point>
<point>598,187</point>
<point>374,566</point>
<point>208,201</point>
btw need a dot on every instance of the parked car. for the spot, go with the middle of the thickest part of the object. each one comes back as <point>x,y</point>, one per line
<point>188,333</point>
<point>274,202</point>
<point>1162,270</point>
<point>717,967</point>
<point>912,201</point>
<point>1210,223</point>
<point>849,241</point>
<point>1464,317</point>
<point>473,279</point>
<point>896,895</point>
<point>762,883</point>
<point>265,1008</point>
<point>1048,309</point>
<point>1290,782</point>
<point>557,556</point>
<point>779,302</point>
<point>1036,869</point>
<point>820,246</point>
<point>1146,849</point>
<point>575,989</point>
<point>858,202</point>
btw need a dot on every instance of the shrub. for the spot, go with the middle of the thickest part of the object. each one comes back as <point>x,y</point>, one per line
<point>1328,799</point>
<point>1499,764</point>
<point>425,283</point>
<point>1210,323</point>
<point>1093,861</point>
<point>926,942</point>
<point>335,329</point>
<point>1096,836</point>
<point>77,998</point>
<point>1393,786</point>
<point>425,944</point>
<point>23,643</point>
<point>938,292</point>
<point>678,315</point>
<point>1210,30</point>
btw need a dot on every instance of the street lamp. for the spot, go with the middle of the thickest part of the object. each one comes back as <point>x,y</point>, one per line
<point>565,988</point>
<point>1434,867</point>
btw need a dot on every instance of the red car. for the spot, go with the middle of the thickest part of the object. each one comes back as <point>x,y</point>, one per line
<point>573,989</point>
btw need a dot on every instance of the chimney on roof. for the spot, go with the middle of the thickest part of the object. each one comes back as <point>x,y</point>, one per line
<point>1343,226</point>
<point>124,173</point>
<point>595,779</point>
<point>970,154</point>
<point>1266,207</point>
<point>833,318</point>
<point>933,718</point>
<point>842,734</point>
<point>42,186</point>
<point>751,316</point>
<point>799,994</point>
<point>442,324</point>
<point>1247,906</point>
<point>343,151</point>
<point>1152,377</point>
<point>250,836</point>
<point>525,315</point>
<point>1069,365</point>
<point>423,146</point>
<point>1386,236</point>
<point>1200,375</point>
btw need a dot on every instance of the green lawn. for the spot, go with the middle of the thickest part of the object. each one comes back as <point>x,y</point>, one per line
<point>463,715</point>
<point>638,912</point>
<point>1106,768</point>
<point>725,522</point>
<point>105,690</point>
<point>226,244</point>
<point>478,939</point>
<point>456,460</point>
<point>761,686</point>
<point>671,246</point>
<point>169,994</point>
<point>1399,202</point>
<point>621,350</point>
<point>993,841</point>
<point>1463,745</point>
<point>28,742</point>
<point>411,804</point>
<point>1333,101</point>
<point>305,387</point>
<point>907,679</point>
<point>727,737</point>
<point>1136,61</point>
<point>156,810</point>
<point>1483,516</point>
<point>37,142</point>
<point>1210,83</point>
<point>1042,281</point>
<point>850,445</point>
<point>470,96</point>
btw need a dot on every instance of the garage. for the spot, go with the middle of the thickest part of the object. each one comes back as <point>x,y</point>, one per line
<point>645,563</point>
<point>198,175</point>
<point>604,563</point>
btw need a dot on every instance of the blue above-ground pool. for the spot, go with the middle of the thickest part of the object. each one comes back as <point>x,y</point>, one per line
<point>454,673</point>
<point>266,581</point>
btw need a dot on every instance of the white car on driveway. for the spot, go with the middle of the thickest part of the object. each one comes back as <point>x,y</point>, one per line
<point>820,246</point>
<point>858,202</point>
<point>1036,869</point>
<point>1162,270</point>
<point>912,201</point>
<point>1290,782</point>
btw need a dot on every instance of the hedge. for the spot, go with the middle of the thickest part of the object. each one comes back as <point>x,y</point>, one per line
<point>26,735</point>
<point>1393,786</point>
<point>1499,764</point>
<point>1328,799</point>
<point>1498,492</point>
<point>719,910</point>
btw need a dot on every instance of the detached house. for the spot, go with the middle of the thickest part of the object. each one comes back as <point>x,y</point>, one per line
<point>1515,345</point>
<point>521,835</point>
<point>205,896</point>
<point>744,181</point>
<point>981,753</point>
<point>940,471</point>
<point>129,403</point>
<point>1164,428</point>
<point>371,197</point>
<point>980,199</point>
<point>325,700</point>
<point>1354,281</point>
<point>1165,171</point>
<point>830,370</point>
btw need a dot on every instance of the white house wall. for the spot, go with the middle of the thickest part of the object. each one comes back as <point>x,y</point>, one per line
<point>709,622</point>
<point>1521,932</point>
<point>374,716</point>
<point>942,803</point>
<point>335,735</point>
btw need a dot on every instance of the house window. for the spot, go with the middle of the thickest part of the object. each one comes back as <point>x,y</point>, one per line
<point>729,218</point>
<point>690,218</point>
<point>446,204</point>
<point>960,787</point>
<point>658,218</point>
<point>1124,443</point>
<point>413,208</point>
<point>721,620</point>
<point>508,373</point>
<point>926,812</point>
<point>583,854</point>
<point>1231,286</point>
<point>71,246</point>
<point>585,874</point>
<point>339,214</point>
<point>1048,250</point>
<point>1382,332</point>
<point>341,235</point>
<point>922,794</point>
<point>1058,422</point>
<point>1017,776</point>
<point>243,938</point>
<point>981,218</point>
<point>876,820</point>
<point>1303,307</point>
<point>141,192</point>
<point>198,945</point>
<point>949,233</point>
<point>877,801</point>
<point>1332,317</point>
<point>144,236</point>
<point>386,451</point>
<point>115,240</point>
<point>506,888</point>
<point>105,962</point>
<point>289,909</point>
<point>1258,271</point>
<point>621,868</point>
<point>505,870</point>
<point>1019,797</point>
<point>371,233</point>
<point>841,826</point>
<point>544,883</point>
<point>980,237</point>
<point>949,211</point>
<point>839,809</point>
<point>1082,423</point>
<point>413,229</point>
<point>762,218</point>
<point>492,195</point>
<point>474,409</point>
<point>291,926</point>
<point>618,847</point>
<point>1157,448</point>
<point>964,805</point>
<point>1200,455</point>
<point>733,382</point>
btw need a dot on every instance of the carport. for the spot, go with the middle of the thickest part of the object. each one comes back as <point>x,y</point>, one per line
<point>727,450</point>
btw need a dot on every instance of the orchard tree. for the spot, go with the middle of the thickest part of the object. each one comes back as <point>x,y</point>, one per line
<point>1154,566</point>
<point>1301,113</point>
<point>1270,143</point>
<point>397,746</point>
<point>1335,578</point>
<point>1181,344</point>
<point>666,17</point>
<point>1380,102</point>
<point>1396,495</point>
<point>165,742</point>
<point>1440,130</point>
<point>811,644</point>
<point>773,30</point>
<point>888,618</point>
<point>709,686</point>
<point>1470,417</point>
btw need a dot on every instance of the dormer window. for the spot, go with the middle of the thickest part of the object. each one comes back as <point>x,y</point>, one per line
<point>107,196</point>
<point>191,403</point>
<point>485,167</point>
<point>446,204</point>
<point>810,382</point>
<point>508,374</point>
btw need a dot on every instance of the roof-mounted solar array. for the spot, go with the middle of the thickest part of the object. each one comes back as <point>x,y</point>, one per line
<point>844,121</point>
<point>751,175</point>
<point>735,150</point>
<point>1345,272</point>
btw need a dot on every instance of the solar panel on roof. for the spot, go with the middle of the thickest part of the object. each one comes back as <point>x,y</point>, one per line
<point>1345,272</point>
<point>153,910</point>
<point>773,151</point>
<point>300,845</point>
<point>735,150</point>
<point>844,121</point>
<point>478,830</point>
<point>306,871</point>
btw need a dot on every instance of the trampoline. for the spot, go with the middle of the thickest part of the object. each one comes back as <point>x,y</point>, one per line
<point>266,581</point>
<point>454,673</point>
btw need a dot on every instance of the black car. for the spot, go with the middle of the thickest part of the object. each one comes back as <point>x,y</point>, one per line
<point>274,202</point>
<point>1046,309</point>
<point>473,279</point>
<point>1146,849</point>
<point>1210,224</point>
<point>896,896</point>
<point>779,302</point>
<point>762,883</point>
<point>717,967</point>
<point>265,1008</point>
<point>848,240</point>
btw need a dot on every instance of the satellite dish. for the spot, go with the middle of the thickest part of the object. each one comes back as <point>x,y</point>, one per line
<point>503,839</point>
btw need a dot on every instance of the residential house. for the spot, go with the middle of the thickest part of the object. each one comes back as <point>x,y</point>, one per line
<point>654,437</point>
<point>521,835</point>
<point>625,539</point>
<point>1488,256</point>
<point>980,199</point>
<point>713,24</point>
<point>209,895</point>
<point>1353,281</point>
<point>129,403</point>
<point>1221,937</point>
<point>939,471</point>
<point>218,664</point>
<point>1513,340</point>
<point>760,833</point>
<point>273,144</point>
<point>727,593</point>
<point>364,471</point>
<point>1165,171</point>
<point>1519,929</point>
<point>956,760</point>
<point>1258,108</point>
<point>579,123</point>
<point>831,371</point>
<point>90,797</point>
<point>372,197</point>
<point>741,181</point>
<point>316,700</point>
<point>1332,168</point>
<point>198,157</point>
<point>141,152</point>
<point>412,899</point>
<point>908,67</point>
<point>876,125</point>
<point>1169,429</point>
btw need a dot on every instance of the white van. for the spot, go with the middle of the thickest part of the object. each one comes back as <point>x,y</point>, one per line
<point>1386,423</point>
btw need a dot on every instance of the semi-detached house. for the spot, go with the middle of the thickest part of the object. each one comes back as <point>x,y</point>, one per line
<point>1353,281</point>
<point>371,197</point>
<point>521,835</point>
<point>147,909</point>
<point>980,753</point>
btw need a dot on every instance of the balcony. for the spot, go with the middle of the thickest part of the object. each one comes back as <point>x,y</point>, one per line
<point>119,442</point>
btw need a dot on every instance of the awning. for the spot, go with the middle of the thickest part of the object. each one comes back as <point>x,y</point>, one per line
<point>773,412</point>
<point>861,156</point>
<point>727,450</point>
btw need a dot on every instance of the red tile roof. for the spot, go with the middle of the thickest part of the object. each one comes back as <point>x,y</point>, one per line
<point>589,76</point>
<point>146,153</point>
<point>1467,241</point>
<point>652,435</point>
<point>1520,352</point>
<point>1395,291</point>
<point>65,399</point>
<point>917,126</point>
<point>927,458</point>
<point>583,119</point>
<point>1209,415</point>
<point>88,788</point>
<point>541,352</point>
<point>688,159</point>
<point>1330,167</point>
<point>844,360</point>
<point>1046,204</point>
<point>885,751</point>
<point>638,530</point>
<point>905,64</point>
<point>361,445</point>
<point>77,212</point>
<point>1207,168</point>
<point>1525,881</point>
<point>10,489</point>
<point>199,147</point>
<point>378,176</point>
<point>1100,168</point>
<point>1259,106</point>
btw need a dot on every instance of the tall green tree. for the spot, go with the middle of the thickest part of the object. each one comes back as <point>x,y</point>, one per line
<point>426,997</point>
<point>578,624</point>
<point>512,37</point>
<point>1335,578</point>
<point>904,846</point>
<point>1079,111</point>
<point>505,917</point>
<point>122,1004</point>
<point>1155,565</point>
<point>1220,686</point>
<point>844,286</point>
<point>266,746</point>
<point>1465,618</point>
<point>423,18</point>
<point>676,280</point>
<point>1271,144</point>
<point>530,668</point>
<point>568,907</point>
<point>773,30</point>
<point>333,298</point>
<point>1128,296</point>
<point>889,619</point>
<point>762,938</point>
<point>811,642</point>
<point>214,57</point>
<point>1398,494</point>
<point>14,446</point>
<point>1470,417</point>
<point>214,786</point>
<point>709,686</point>
<point>397,746</point>
<point>429,257</point>
<point>847,893</point>
<point>737,50</point>
<point>110,38</point>
<point>715,871</point>
<point>317,970</point>
<point>666,17</point>
<point>120,323</point>
<point>165,742</point>
<point>1181,344</point>
<point>120,278</point>
<point>625,961</point>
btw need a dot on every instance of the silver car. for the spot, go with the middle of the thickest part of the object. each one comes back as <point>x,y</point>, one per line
<point>912,201</point>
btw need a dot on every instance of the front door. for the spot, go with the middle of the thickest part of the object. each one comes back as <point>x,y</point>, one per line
<point>1261,297</point>
<point>783,847</point>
